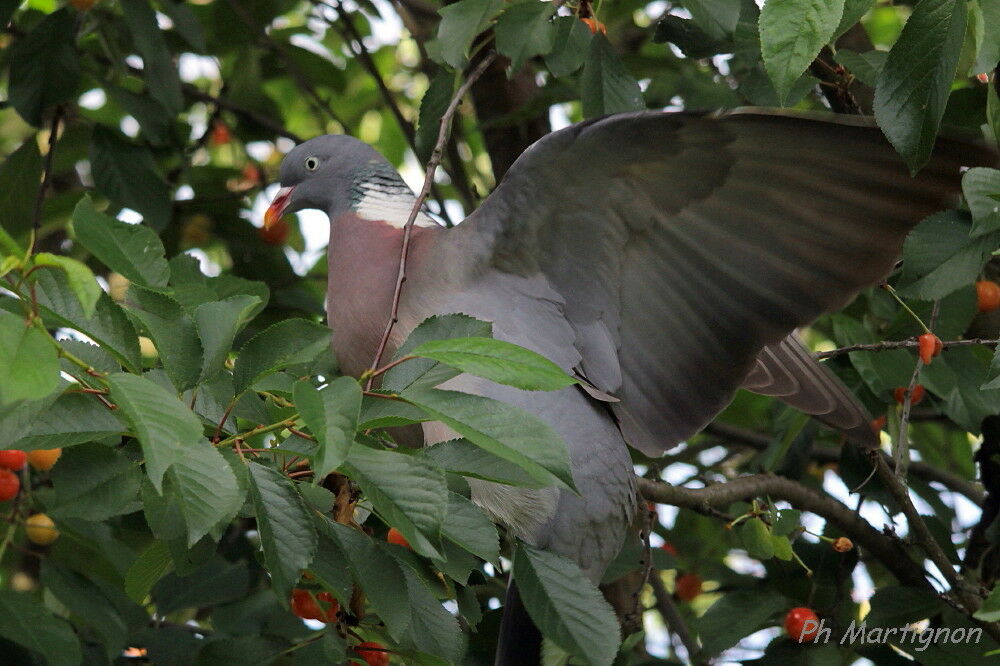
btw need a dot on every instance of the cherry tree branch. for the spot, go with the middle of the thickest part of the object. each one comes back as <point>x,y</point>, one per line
<point>432,164</point>
<point>47,170</point>
<point>902,344</point>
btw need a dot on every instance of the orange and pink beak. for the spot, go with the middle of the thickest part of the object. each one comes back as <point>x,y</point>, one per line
<point>278,206</point>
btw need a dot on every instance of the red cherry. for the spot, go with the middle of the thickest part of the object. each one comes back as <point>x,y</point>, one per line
<point>10,485</point>
<point>688,587</point>
<point>220,134</point>
<point>930,346</point>
<point>333,606</point>
<point>795,624</point>
<point>13,459</point>
<point>878,423</point>
<point>304,606</point>
<point>900,394</point>
<point>373,653</point>
<point>669,547</point>
<point>987,295</point>
<point>396,537</point>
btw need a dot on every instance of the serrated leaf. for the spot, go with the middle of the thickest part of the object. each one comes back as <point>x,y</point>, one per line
<point>287,534</point>
<point>29,368</point>
<point>168,431</point>
<point>433,105</point>
<point>460,23</point>
<point>379,575</point>
<point>428,372</point>
<point>735,615</point>
<point>159,71</point>
<point>406,491</point>
<point>95,483</point>
<point>134,250</point>
<point>286,343</point>
<point>569,47</point>
<point>606,87</point>
<point>498,361</point>
<point>717,18</point>
<point>80,279</point>
<point>467,525</point>
<point>503,430</point>
<point>207,489</point>
<point>525,31</point>
<point>72,419</point>
<point>981,187</point>
<point>565,606</point>
<point>791,34</point>
<point>44,67</point>
<point>332,416</point>
<point>152,564</point>
<point>108,326</point>
<point>217,323</point>
<point>894,606</point>
<point>25,621</point>
<point>865,66</point>
<point>782,547</point>
<point>20,175</point>
<point>126,173</point>
<point>853,11</point>
<point>462,457</point>
<point>756,539</point>
<point>914,84</point>
<point>172,331</point>
<point>940,257</point>
<point>432,629</point>
<point>330,566</point>
<point>215,581</point>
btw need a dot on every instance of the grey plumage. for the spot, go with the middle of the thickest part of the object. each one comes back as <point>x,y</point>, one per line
<point>666,258</point>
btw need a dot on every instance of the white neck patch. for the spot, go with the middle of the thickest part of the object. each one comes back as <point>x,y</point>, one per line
<point>391,207</point>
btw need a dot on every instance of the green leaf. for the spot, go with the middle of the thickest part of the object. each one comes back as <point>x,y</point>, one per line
<point>72,419</point>
<point>168,431</point>
<point>569,47</point>
<point>989,52</point>
<point>865,66</point>
<point>44,67</point>
<point>379,575</point>
<point>462,457</point>
<point>432,629</point>
<point>286,528</point>
<point>791,34</point>
<point>498,361</point>
<point>134,250</point>
<point>432,107</point>
<point>990,611</point>
<point>914,84</point>
<point>407,492</point>
<point>286,343</point>
<point>108,327</point>
<point>20,176</point>
<point>460,23</point>
<point>467,525</point>
<point>25,621</point>
<point>427,372</point>
<point>940,257</point>
<point>29,368</point>
<point>895,606</point>
<point>218,323</point>
<point>156,122</point>
<point>565,606</point>
<point>688,36</point>
<point>606,86</point>
<point>90,605</point>
<point>152,564</point>
<point>525,31</point>
<point>503,430</point>
<point>332,415</point>
<point>735,615</point>
<point>126,173</point>
<point>158,67</point>
<point>329,565</point>
<point>782,547</point>
<point>716,17</point>
<point>207,490</point>
<point>756,539</point>
<point>172,331</point>
<point>241,650</point>
<point>80,279</point>
<point>853,11</point>
<point>981,187</point>
<point>214,582</point>
<point>94,482</point>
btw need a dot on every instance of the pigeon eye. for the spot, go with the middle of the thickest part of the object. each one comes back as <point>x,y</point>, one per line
<point>312,163</point>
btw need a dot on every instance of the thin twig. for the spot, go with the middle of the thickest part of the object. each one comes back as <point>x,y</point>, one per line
<point>912,343</point>
<point>47,171</point>
<point>672,617</point>
<point>901,451</point>
<point>408,227</point>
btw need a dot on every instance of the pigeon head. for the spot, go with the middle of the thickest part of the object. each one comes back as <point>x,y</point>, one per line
<point>337,173</point>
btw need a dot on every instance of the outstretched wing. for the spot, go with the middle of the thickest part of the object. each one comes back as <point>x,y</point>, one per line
<point>683,244</point>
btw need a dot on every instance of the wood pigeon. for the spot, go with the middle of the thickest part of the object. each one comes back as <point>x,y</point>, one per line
<point>665,259</point>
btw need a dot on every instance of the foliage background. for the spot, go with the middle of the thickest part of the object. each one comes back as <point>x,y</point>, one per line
<point>176,114</point>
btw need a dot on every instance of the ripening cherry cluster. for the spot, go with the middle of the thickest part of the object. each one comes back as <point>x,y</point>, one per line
<point>39,528</point>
